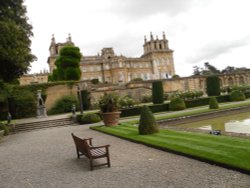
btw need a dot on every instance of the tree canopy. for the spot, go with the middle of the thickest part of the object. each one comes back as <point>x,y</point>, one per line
<point>15,33</point>
<point>212,70</point>
<point>67,64</point>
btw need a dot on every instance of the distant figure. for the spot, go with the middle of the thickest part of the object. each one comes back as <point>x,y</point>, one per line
<point>74,113</point>
<point>73,109</point>
<point>9,117</point>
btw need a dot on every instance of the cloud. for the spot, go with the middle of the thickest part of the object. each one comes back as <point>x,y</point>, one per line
<point>217,48</point>
<point>144,8</point>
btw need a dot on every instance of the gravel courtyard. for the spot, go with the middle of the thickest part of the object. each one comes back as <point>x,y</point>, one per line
<point>47,159</point>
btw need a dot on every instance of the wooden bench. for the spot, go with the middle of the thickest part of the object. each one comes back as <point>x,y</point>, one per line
<point>85,147</point>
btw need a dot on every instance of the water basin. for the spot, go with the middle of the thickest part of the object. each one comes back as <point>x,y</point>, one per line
<point>238,123</point>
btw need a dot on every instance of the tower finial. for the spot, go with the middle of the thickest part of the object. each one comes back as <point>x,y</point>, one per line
<point>69,38</point>
<point>53,40</point>
<point>151,36</point>
<point>163,35</point>
<point>145,39</point>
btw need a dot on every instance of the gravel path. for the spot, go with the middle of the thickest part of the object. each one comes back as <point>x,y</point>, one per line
<point>47,159</point>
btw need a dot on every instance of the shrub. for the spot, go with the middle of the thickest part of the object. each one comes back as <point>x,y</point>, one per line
<point>157,92</point>
<point>22,104</point>
<point>137,79</point>
<point>147,123</point>
<point>88,118</point>
<point>213,104</point>
<point>177,104</point>
<point>64,105</point>
<point>146,98</point>
<point>237,95</point>
<point>165,96</point>
<point>247,94</point>
<point>126,102</point>
<point>109,102</point>
<point>213,85</point>
<point>5,128</point>
<point>86,100</point>
<point>95,81</point>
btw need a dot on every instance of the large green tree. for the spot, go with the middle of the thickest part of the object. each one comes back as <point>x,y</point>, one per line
<point>68,64</point>
<point>15,33</point>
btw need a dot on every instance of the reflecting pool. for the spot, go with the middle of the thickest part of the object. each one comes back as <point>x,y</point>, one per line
<point>238,123</point>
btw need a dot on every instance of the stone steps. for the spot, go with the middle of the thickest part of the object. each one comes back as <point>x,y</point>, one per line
<point>24,127</point>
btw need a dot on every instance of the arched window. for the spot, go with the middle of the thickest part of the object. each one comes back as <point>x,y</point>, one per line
<point>241,80</point>
<point>230,81</point>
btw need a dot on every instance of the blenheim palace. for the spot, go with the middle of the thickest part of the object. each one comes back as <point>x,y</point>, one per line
<point>155,63</point>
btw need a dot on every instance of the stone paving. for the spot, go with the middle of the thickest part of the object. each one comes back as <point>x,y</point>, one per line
<point>47,159</point>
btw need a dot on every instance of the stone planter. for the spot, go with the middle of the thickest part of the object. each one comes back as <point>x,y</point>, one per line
<point>111,118</point>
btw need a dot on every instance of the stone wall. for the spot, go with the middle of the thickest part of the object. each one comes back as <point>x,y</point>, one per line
<point>138,89</point>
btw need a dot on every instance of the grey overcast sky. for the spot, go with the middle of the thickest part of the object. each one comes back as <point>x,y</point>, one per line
<point>214,31</point>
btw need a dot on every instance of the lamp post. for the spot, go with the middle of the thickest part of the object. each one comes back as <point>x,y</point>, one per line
<point>80,96</point>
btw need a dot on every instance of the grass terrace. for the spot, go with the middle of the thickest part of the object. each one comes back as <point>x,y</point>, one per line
<point>225,151</point>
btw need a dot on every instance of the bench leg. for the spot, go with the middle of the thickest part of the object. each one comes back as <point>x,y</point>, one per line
<point>108,161</point>
<point>91,164</point>
<point>78,154</point>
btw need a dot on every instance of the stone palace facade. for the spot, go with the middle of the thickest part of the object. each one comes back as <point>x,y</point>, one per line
<point>155,63</point>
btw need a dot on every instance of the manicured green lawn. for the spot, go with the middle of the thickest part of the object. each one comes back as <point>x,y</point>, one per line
<point>194,111</point>
<point>230,151</point>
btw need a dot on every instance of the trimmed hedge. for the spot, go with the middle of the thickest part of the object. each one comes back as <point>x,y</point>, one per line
<point>197,102</point>
<point>137,110</point>
<point>213,85</point>
<point>88,118</point>
<point>86,100</point>
<point>165,107</point>
<point>157,92</point>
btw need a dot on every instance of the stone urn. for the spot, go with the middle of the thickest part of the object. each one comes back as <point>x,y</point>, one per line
<point>111,118</point>
<point>109,106</point>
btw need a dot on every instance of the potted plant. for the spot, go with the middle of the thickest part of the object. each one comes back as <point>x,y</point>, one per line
<point>109,106</point>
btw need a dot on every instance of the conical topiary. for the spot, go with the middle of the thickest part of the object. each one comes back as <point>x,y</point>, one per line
<point>147,123</point>
<point>213,104</point>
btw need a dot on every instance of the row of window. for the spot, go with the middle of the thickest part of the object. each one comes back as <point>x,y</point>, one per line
<point>122,76</point>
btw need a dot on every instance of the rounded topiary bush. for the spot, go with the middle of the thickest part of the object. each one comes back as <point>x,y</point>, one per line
<point>177,104</point>
<point>213,104</point>
<point>64,105</point>
<point>89,118</point>
<point>147,123</point>
<point>237,95</point>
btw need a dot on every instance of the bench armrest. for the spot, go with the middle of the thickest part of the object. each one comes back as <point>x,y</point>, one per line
<point>89,139</point>
<point>97,147</point>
